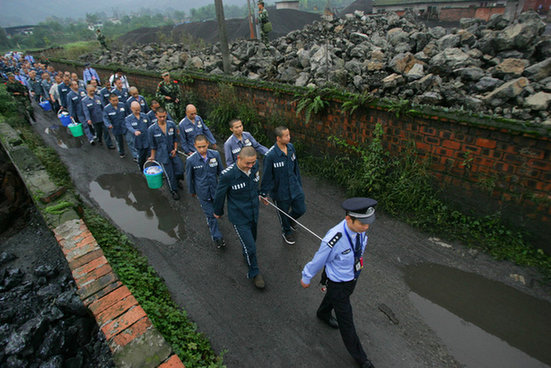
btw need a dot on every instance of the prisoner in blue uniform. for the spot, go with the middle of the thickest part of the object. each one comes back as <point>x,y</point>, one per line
<point>63,90</point>
<point>239,183</point>
<point>104,93</point>
<point>137,124</point>
<point>281,180</point>
<point>202,170</point>
<point>113,118</point>
<point>163,141</point>
<point>153,118</point>
<point>190,127</point>
<point>341,253</point>
<point>134,96</point>
<point>93,114</point>
<point>120,91</point>
<point>74,106</point>
<point>238,140</point>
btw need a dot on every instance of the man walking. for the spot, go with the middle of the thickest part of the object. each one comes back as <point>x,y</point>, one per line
<point>281,180</point>
<point>93,115</point>
<point>190,127</point>
<point>113,117</point>
<point>238,140</point>
<point>341,252</point>
<point>202,170</point>
<point>239,183</point>
<point>137,124</point>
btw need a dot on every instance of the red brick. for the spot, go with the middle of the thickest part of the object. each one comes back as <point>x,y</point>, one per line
<point>103,292</point>
<point>89,239</point>
<point>422,146</point>
<point>172,362</point>
<point>486,143</point>
<point>93,275</point>
<point>542,165</point>
<point>89,257</point>
<point>132,332</point>
<point>116,309</point>
<point>451,144</point>
<point>108,300</point>
<point>90,289</point>
<point>90,266</point>
<point>80,251</point>
<point>121,323</point>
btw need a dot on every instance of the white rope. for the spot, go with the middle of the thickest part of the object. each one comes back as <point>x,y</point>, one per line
<point>286,214</point>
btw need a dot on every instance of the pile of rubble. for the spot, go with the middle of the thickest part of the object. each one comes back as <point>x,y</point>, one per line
<point>499,67</point>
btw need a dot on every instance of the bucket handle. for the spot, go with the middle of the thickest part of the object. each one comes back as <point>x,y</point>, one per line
<point>150,162</point>
<point>61,110</point>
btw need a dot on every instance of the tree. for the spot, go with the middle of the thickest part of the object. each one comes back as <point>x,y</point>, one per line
<point>92,18</point>
<point>4,41</point>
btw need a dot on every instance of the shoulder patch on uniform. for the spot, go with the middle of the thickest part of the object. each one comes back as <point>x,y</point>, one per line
<point>331,243</point>
<point>227,169</point>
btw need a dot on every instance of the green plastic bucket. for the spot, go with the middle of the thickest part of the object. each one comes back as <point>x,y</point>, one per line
<point>154,176</point>
<point>76,129</point>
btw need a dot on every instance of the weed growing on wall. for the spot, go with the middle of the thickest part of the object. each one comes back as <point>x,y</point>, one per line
<point>404,189</point>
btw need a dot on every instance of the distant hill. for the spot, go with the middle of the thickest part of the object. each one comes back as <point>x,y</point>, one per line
<point>283,21</point>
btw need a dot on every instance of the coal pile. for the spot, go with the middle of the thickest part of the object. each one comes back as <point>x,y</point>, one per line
<point>499,67</point>
<point>43,323</point>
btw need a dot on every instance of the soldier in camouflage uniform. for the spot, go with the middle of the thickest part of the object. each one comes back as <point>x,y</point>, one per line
<point>101,38</point>
<point>169,94</point>
<point>21,94</point>
<point>265,24</point>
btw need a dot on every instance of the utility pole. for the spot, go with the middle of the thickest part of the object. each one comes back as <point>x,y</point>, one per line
<point>251,22</point>
<point>223,35</point>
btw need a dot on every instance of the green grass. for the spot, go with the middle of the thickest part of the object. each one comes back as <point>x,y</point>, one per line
<point>74,50</point>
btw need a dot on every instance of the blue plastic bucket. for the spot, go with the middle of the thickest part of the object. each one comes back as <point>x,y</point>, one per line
<point>46,106</point>
<point>64,118</point>
<point>154,176</point>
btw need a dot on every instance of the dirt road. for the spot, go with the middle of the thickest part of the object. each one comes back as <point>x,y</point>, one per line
<point>277,327</point>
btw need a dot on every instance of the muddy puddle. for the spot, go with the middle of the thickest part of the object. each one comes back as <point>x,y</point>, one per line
<point>136,209</point>
<point>483,323</point>
<point>63,137</point>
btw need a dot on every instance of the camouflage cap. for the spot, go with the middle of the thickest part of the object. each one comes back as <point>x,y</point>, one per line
<point>10,74</point>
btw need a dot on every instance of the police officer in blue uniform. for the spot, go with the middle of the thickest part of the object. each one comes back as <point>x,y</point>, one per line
<point>113,118</point>
<point>93,115</point>
<point>89,73</point>
<point>202,170</point>
<point>238,140</point>
<point>74,106</point>
<point>190,127</point>
<point>239,183</point>
<point>163,141</point>
<point>341,252</point>
<point>137,124</point>
<point>281,180</point>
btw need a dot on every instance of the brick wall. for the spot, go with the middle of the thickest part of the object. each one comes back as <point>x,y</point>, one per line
<point>483,169</point>
<point>455,14</point>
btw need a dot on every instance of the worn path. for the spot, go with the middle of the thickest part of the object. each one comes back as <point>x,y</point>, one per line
<point>275,327</point>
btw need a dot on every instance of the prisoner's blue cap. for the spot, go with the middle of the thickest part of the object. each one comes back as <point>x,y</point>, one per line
<point>361,208</point>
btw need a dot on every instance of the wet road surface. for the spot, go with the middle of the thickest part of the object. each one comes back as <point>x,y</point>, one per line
<point>421,282</point>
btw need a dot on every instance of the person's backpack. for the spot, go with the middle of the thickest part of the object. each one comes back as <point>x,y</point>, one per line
<point>267,27</point>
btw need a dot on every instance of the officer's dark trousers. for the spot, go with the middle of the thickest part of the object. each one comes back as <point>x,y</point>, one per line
<point>208,209</point>
<point>247,237</point>
<point>293,207</point>
<point>338,298</point>
<point>103,133</point>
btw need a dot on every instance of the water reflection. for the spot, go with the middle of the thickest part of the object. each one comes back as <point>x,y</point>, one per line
<point>484,323</point>
<point>135,208</point>
<point>63,137</point>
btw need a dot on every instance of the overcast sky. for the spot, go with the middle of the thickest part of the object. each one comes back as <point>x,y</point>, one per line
<point>23,12</point>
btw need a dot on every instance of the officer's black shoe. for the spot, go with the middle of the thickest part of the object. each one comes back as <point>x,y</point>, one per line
<point>175,195</point>
<point>332,321</point>
<point>220,243</point>
<point>367,364</point>
<point>289,238</point>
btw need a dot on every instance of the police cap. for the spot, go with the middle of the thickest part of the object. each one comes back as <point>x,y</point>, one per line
<point>361,208</point>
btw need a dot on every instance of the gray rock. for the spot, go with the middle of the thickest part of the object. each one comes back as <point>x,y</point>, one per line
<point>429,98</point>
<point>518,36</point>
<point>354,67</point>
<point>6,257</point>
<point>16,344</point>
<point>497,22</point>
<point>392,81</point>
<point>469,22</point>
<point>12,277</point>
<point>470,74</point>
<point>45,270</point>
<point>448,41</point>
<point>506,92</point>
<point>303,58</point>
<point>451,58</point>
<point>539,71</point>
<point>538,101</point>
<point>302,79</point>
<point>437,32</point>
<point>416,72</point>
<point>396,36</point>
<point>49,291</point>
